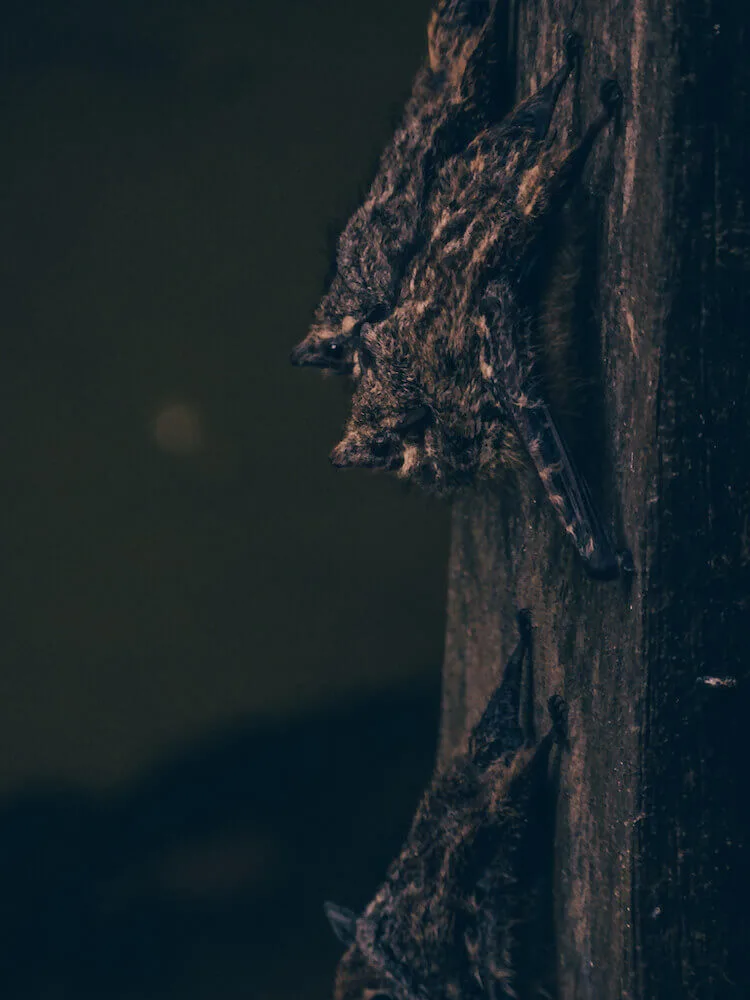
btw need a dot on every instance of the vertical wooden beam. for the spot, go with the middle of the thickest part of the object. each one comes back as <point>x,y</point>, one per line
<point>652,875</point>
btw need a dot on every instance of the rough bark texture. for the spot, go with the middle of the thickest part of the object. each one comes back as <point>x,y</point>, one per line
<point>652,874</point>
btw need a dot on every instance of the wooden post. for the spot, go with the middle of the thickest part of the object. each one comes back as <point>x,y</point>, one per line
<point>652,874</point>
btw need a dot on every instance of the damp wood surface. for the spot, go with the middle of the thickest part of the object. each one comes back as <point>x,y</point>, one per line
<point>651,839</point>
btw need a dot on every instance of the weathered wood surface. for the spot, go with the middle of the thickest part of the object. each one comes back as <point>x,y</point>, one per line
<point>652,874</point>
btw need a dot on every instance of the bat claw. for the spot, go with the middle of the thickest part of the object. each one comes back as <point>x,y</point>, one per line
<point>610,94</point>
<point>625,562</point>
<point>523,620</point>
<point>573,47</point>
<point>558,713</point>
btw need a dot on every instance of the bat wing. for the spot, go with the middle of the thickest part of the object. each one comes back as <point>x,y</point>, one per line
<point>513,387</point>
<point>566,489</point>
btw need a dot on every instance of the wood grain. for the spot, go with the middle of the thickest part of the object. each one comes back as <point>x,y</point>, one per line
<point>652,869</point>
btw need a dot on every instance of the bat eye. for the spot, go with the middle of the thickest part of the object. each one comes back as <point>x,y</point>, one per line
<point>334,351</point>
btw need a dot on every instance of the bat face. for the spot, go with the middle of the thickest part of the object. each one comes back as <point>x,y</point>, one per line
<point>382,235</point>
<point>429,434</point>
<point>356,979</point>
<point>360,976</point>
<point>363,290</point>
<point>332,346</point>
<point>455,915</point>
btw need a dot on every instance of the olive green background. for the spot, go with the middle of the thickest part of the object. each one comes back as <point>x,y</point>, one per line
<point>220,656</point>
<point>176,551</point>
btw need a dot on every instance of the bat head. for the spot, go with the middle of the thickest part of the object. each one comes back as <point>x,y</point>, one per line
<point>379,238</point>
<point>330,347</point>
<point>357,977</point>
<point>362,289</point>
<point>422,413</point>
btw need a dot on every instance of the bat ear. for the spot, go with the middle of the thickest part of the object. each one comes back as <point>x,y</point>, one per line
<point>343,922</point>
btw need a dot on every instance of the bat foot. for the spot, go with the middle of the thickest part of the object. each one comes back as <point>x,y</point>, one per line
<point>625,562</point>
<point>558,713</point>
<point>523,620</point>
<point>573,44</point>
<point>610,94</point>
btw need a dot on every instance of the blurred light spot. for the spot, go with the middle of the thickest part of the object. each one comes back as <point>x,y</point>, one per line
<point>178,429</point>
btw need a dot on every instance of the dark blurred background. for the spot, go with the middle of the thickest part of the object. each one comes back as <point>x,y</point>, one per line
<point>220,657</point>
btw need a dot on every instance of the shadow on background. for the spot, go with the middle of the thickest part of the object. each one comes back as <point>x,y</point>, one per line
<point>205,878</point>
<point>183,577</point>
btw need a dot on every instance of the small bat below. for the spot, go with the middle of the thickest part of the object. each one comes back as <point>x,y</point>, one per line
<point>465,911</point>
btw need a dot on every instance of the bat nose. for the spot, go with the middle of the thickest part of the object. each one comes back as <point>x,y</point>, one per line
<point>384,454</point>
<point>338,458</point>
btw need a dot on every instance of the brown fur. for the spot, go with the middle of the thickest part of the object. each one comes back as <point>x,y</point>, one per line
<point>453,97</point>
<point>460,913</point>
<point>450,386</point>
<point>436,348</point>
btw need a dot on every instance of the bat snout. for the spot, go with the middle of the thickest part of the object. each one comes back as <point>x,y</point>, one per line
<point>317,351</point>
<point>384,453</point>
<point>296,356</point>
<point>306,355</point>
